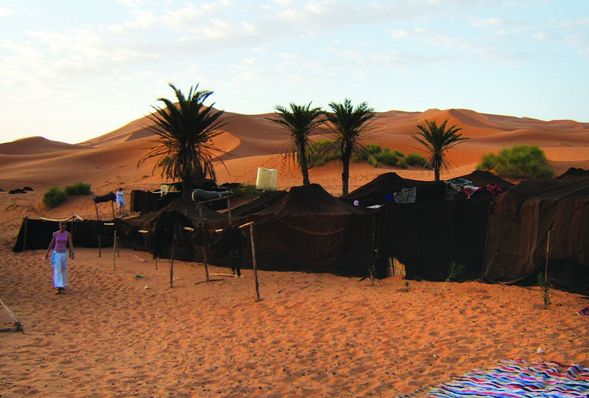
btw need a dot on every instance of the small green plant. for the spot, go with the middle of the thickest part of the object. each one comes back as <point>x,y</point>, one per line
<point>403,164</point>
<point>373,149</point>
<point>54,197</point>
<point>387,158</point>
<point>399,153</point>
<point>454,271</point>
<point>78,189</point>
<point>245,191</point>
<point>407,286</point>
<point>544,284</point>
<point>321,152</point>
<point>373,162</point>
<point>415,159</point>
<point>518,162</point>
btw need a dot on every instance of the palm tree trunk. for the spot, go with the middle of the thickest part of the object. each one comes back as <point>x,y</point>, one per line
<point>304,168</point>
<point>346,172</point>
<point>186,188</point>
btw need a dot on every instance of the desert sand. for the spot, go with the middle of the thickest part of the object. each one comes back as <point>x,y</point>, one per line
<point>120,330</point>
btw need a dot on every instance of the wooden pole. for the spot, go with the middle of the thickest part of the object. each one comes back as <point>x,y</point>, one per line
<point>112,204</point>
<point>97,216</point>
<point>24,243</point>
<point>156,263</point>
<point>229,209</point>
<point>99,246</point>
<point>202,222</point>
<point>547,254</point>
<point>172,266</point>
<point>114,252</point>
<point>254,262</point>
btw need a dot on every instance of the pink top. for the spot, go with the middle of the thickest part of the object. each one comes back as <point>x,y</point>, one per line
<point>60,241</point>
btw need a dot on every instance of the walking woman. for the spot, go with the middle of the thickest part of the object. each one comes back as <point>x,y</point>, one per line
<point>61,243</point>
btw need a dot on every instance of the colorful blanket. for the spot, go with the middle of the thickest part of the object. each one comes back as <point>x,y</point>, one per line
<point>518,379</point>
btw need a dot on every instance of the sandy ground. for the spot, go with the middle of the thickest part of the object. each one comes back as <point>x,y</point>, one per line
<point>121,330</point>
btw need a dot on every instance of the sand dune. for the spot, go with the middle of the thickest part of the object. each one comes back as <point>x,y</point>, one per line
<point>120,330</point>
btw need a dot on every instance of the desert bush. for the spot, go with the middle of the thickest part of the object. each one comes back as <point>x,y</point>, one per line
<point>387,157</point>
<point>245,191</point>
<point>403,164</point>
<point>373,162</point>
<point>373,149</point>
<point>79,188</point>
<point>518,162</point>
<point>399,153</point>
<point>415,159</point>
<point>54,197</point>
<point>321,152</point>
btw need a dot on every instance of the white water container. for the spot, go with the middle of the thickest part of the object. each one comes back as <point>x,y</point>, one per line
<point>266,179</point>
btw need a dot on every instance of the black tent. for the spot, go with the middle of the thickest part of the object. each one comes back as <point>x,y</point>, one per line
<point>426,236</point>
<point>519,226</point>
<point>310,230</point>
<point>387,184</point>
<point>156,231</point>
<point>35,234</point>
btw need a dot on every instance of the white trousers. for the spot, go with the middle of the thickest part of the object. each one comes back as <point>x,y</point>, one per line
<point>59,261</point>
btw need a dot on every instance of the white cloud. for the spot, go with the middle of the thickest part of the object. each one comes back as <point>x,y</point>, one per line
<point>4,11</point>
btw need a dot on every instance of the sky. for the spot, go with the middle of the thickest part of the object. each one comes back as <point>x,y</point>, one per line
<point>72,70</point>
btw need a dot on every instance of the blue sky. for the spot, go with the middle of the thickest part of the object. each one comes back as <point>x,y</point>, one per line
<point>71,70</point>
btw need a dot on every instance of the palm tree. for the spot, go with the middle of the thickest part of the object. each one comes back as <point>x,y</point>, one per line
<point>437,141</point>
<point>185,130</point>
<point>300,120</point>
<point>348,126</point>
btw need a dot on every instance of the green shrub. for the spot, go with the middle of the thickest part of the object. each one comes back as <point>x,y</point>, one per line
<point>373,162</point>
<point>79,188</point>
<point>321,152</point>
<point>54,197</point>
<point>403,164</point>
<point>358,157</point>
<point>399,153</point>
<point>387,158</point>
<point>518,162</point>
<point>245,191</point>
<point>373,149</point>
<point>415,159</point>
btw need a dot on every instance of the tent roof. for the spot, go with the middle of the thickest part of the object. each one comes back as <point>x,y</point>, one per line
<point>185,206</point>
<point>308,200</point>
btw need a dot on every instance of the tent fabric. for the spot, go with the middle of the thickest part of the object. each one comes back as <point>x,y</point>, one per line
<point>427,237</point>
<point>573,172</point>
<point>310,230</point>
<point>376,191</point>
<point>35,234</point>
<point>166,226</point>
<point>519,226</point>
<point>258,204</point>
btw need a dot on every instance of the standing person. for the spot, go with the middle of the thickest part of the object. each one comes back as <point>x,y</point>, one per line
<point>120,200</point>
<point>61,243</point>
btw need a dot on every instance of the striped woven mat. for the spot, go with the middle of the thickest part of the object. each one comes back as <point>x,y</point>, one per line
<point>519,379</point>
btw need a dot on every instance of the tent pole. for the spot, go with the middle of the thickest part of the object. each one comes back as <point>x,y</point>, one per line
<point>254,262</point>
<point>172,265</point>
<point>114,252</point>
<point>97,216</point>
<point>547,254</point>
<point>99,246</point>
<point>202,222</point>
<point>229,208</point>
<point>112,205</point>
